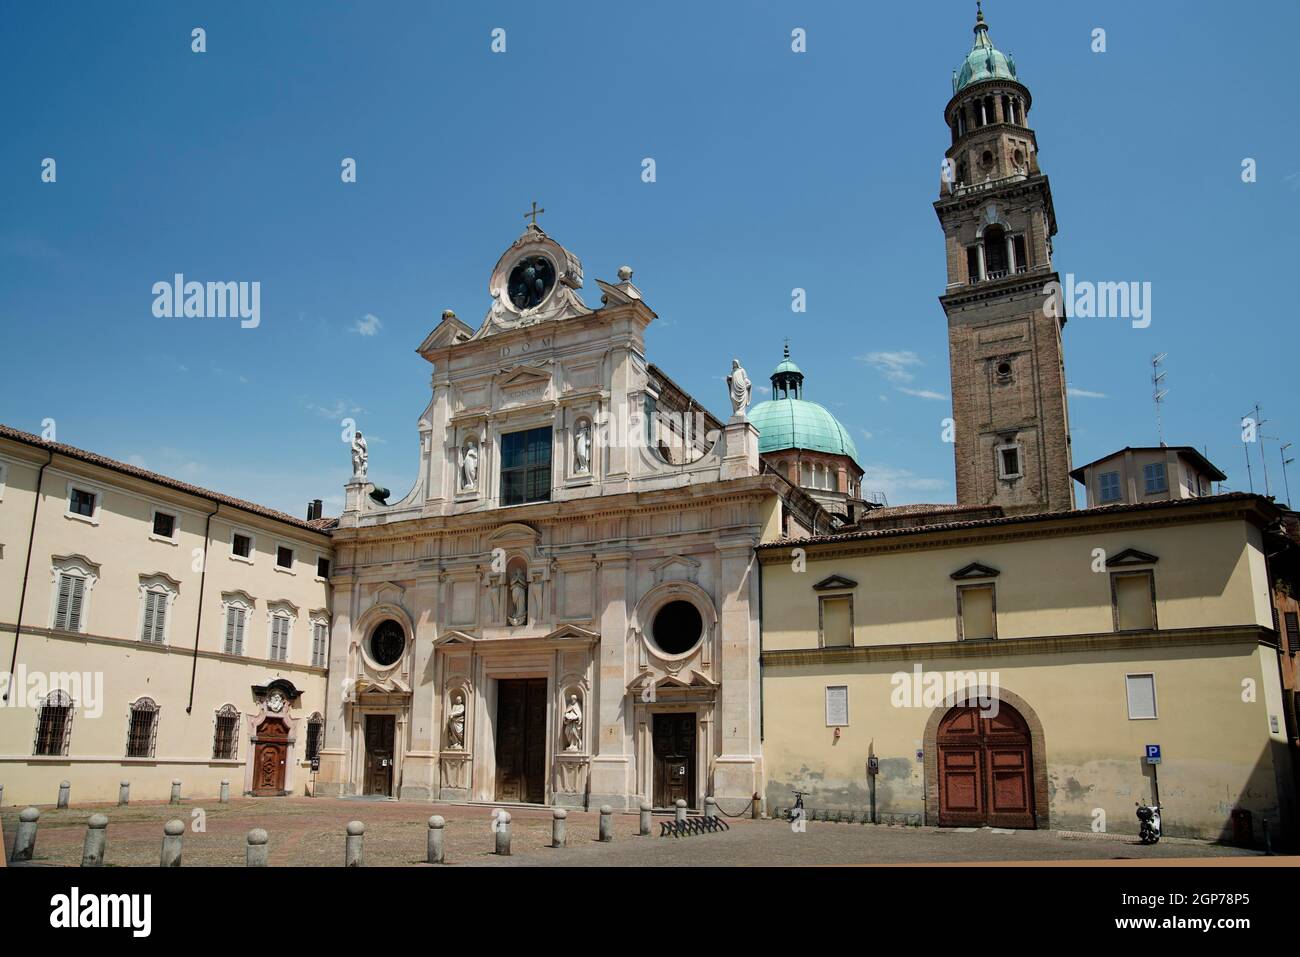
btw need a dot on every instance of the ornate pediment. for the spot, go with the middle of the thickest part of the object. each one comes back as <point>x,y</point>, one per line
<point>522,385</point>
<point>573,633</point>
<point>456,638</point>
<point>448,332</point>
<point>676,568</point>
<point>535,280</point>
<point>514,532</point>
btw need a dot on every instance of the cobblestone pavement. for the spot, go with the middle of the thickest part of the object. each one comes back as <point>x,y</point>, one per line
<point>310,832</point>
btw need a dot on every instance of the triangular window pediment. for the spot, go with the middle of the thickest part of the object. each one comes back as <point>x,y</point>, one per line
<point>975,570</point>
<point>834,582</point>
<point>1131,556</point>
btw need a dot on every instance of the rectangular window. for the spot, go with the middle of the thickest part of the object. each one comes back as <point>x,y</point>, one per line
<point>313,739</point>
<point>234,631</point>
<point>526,466</point>
<point>837,706</point>
<point>225,737</point>
<point>241,545</point>
<point>836,622</point>
<point>972,264</point>
<point>284,556</point>
<point>1154,477</point>
<point>1108,487</point>
<point>1009,461</point>
<point>279,639</point>
<point>1133,600</point>
<point>155,616</point>
<point>53,728</point>
<point>81,502</point>
<point>1141,690</point>
<point>322,568</point>
<point>319,644</point>
<point>1022,260</point>
<point>67,611</point>
<point>976,612</point>
<point>164,525</point>
<point>140,735</point>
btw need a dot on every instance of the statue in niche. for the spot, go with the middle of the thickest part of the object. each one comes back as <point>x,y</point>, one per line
<point>518,599</point>
<point>469,465</point>
<point>740,388</point>
<point>582,448</point>
<point>573,725</point>
<point>456,723</point>
<point>360,456</point>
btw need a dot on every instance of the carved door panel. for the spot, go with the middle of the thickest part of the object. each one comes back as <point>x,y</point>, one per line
<point>674,748</point>
<point>985,769</point>
<point>380,732</point>
<point>270,757</point>
<point>521,740</point>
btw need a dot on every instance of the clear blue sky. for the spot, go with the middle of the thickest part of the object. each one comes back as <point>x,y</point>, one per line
<point>775,170</point>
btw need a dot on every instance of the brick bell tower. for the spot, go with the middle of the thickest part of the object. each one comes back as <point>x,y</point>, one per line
<point>1012,432</point>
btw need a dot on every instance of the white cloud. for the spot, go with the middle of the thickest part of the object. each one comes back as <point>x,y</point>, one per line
<point>1085,394</point>
<point>924,394</point>
<point>369,326</point>
<point>894,366</point>
<point>335,410</point>
<point>866,434</point>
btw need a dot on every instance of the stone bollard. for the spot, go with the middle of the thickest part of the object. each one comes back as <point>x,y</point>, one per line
<point>225,793</point>
<point>171,845</point>
<point>710,807</point>
<point>2,795</point>
<point>647,809</point>
<point>176,791</point>
<point>679,811</point>
<point>92,852</point>
<point>606,823</point>
<point>352,848</point>
<point>558,836</point>
<point>502,828</point>
<point>256,853</point>
<point>25,839</point>
<point>124,794</point>
<point>436,827</point>
<point>65,792</point>
<point>756,807</point>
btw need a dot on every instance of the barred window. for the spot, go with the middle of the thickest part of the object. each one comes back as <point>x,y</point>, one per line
<point>142,733</point>
<point>225,739</point>
<point>315,728</point>
<point>53,724</point>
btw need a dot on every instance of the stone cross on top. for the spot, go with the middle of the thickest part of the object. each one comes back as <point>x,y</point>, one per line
<point>534,212</point>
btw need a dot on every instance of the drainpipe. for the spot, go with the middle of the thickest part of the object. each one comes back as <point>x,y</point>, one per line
<point>198,621</point>
<point>27,569</point>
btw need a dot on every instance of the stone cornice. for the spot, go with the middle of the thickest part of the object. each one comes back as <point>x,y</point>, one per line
<point>1005,647</point>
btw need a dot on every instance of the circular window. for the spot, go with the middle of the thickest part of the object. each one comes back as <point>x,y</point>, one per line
<point>1020,158</point>
<point>1004,370</point>
<point>677,627</point>
<point>387,642</point>
<point>530,281</point>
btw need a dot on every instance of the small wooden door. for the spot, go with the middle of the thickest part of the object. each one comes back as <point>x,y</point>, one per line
<point>521,740</point>
<point>985,769</point>
<point>270,757</point>
<point>379,754</point>
<point>674,747</point>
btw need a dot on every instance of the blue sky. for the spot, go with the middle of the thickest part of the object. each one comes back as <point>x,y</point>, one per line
<point>775,170</point>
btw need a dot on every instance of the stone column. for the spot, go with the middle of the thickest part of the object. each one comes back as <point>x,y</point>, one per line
<point>736,713</point>
<point>332,780</point>
<point>419,765</point>
<point>611,762</point>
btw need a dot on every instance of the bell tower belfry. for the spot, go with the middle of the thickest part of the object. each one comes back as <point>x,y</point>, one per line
<point>1011,425</point>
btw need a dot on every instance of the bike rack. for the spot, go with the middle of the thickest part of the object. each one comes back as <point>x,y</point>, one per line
<point>692,825</point>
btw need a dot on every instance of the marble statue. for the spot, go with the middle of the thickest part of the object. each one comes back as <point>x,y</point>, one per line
<point>469,465</point>
<point>740,387</point>
<point>573,725</point>
<point>518,599</point>
<point>360,456</point>
<point>456,723</point>
<point>582,448</point>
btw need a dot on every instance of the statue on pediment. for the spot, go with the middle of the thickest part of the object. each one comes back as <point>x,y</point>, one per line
<point>360,456</point>
<point>740,388</point>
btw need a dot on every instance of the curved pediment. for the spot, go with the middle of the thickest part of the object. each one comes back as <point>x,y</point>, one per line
<point>515,532</point>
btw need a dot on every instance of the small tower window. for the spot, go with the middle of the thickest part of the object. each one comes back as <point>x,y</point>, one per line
<point>1003,371</point>
<point>995,252</point>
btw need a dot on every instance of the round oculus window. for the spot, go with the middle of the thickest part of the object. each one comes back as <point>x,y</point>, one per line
<point>677,627</point>
<point>387,642</point>
<point>530,281</point>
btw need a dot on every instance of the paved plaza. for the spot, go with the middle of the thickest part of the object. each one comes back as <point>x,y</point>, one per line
<point>310,832</point>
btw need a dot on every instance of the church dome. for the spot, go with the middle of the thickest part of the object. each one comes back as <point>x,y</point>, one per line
<point>789,421</point>
<point>984,62</point>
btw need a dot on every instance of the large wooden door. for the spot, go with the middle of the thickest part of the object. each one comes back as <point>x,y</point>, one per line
<point>270,757</point>
<point>674,747</point>
<point>986,774</point>
<point>380,730</point>
<point>521,740</point>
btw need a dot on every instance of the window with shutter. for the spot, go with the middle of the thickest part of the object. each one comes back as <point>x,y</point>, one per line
<point>1292,631</point>
<point>67,612</point>
<point>234,630</point>
<point>318,644</point>
<point>279,638</point>
<point>155,611</point>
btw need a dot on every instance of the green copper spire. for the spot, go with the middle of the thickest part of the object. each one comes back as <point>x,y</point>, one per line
<point>789,421</point>
<point>985,61</point>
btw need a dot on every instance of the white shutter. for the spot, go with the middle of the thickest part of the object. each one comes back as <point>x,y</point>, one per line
<point>159,617</point>
<point>148,630</point>
<point>61,610</point>
<point>230,630</point>
<point>239,630</point>
<point>74,603</point>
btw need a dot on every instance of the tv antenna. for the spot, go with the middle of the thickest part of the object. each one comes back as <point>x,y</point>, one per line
<point>1158,392</point>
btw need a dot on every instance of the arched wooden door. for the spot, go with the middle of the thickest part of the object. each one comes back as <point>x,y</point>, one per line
<point>270,757</point>
<point>986,770</point>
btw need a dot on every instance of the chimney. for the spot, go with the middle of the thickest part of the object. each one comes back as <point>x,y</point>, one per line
<point>314,509</point>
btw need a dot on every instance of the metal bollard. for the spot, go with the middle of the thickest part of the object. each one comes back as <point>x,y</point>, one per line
<point>65,791</point>
<point>176,791</point>
<point>559,838</point>
<point>225,792</point>
<point>679,811</point>
<point>352,847</point>
<point>606,823</point>
<point>124,794</point>
<point>171,845</point>
<point>255,855</point>
<point>436,826</point>
<point>647,809</point>
<point>25,839</point>
<point>710,807</point>
<point>501,827</point>
<point>92,852</point>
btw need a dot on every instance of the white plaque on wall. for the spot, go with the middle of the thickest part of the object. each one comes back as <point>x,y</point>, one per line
<point>837,706</point>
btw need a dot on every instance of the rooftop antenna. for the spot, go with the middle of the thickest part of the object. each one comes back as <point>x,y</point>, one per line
<point>1285,462</point>
<point>1157,393</point>
<point>1255,416</point>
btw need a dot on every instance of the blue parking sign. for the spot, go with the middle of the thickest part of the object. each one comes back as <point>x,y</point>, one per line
<point>1153,754</point>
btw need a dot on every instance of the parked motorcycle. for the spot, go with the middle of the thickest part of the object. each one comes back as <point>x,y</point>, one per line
<point>1148,823</point>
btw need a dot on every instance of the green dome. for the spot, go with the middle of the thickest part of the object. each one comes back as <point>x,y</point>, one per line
<point>786,366</point>
<point>984,62</point>
<point>799,424</point>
